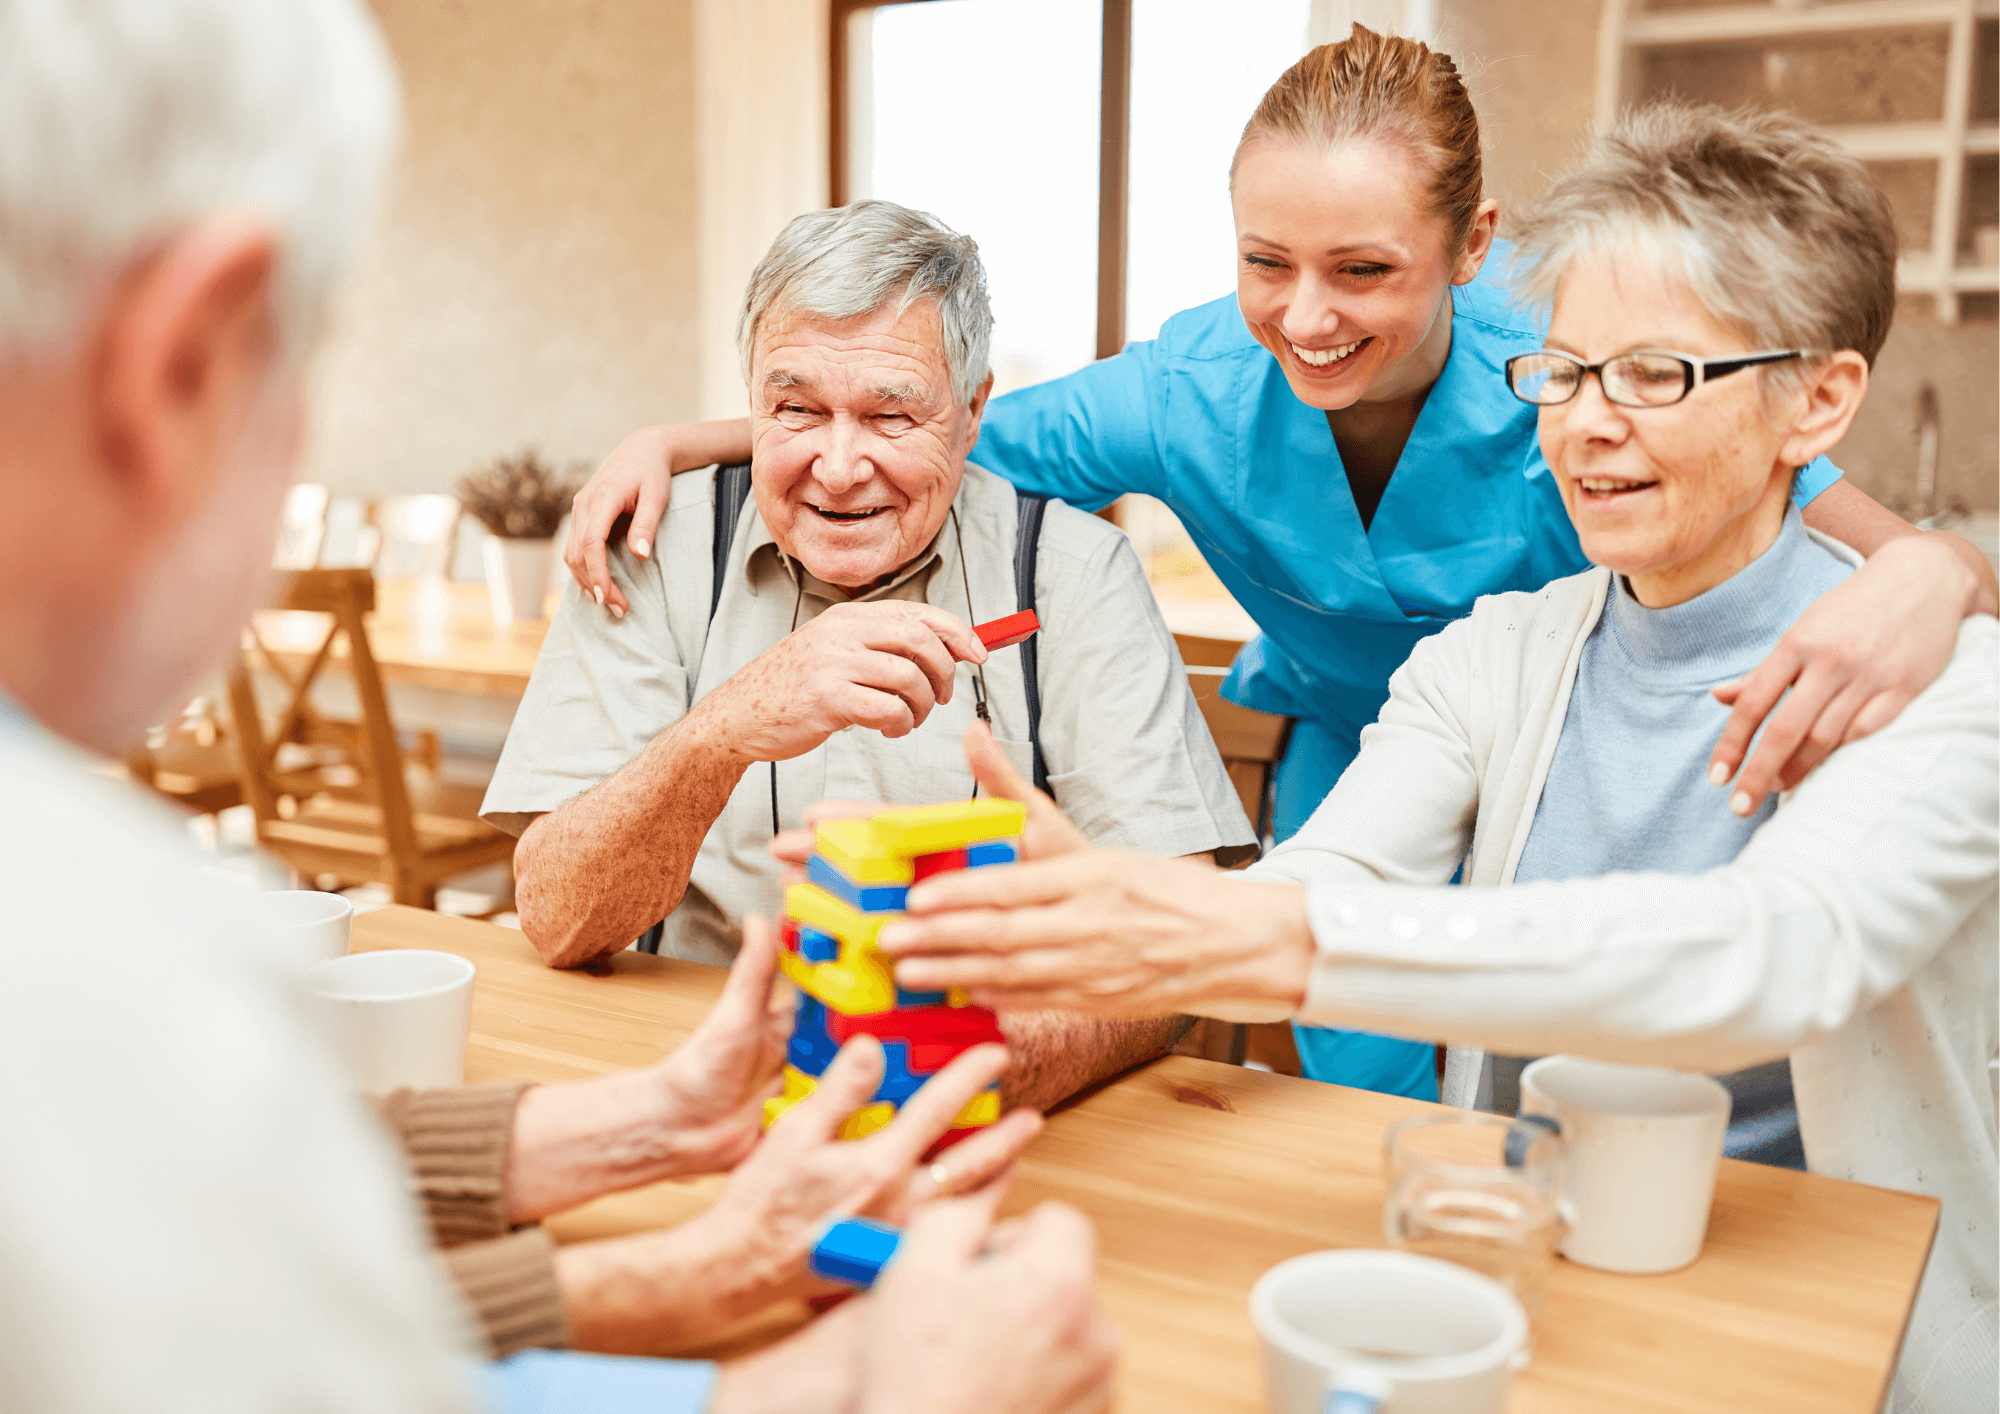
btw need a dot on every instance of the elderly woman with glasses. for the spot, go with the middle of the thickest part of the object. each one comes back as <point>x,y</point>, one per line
<point>1720,285</point>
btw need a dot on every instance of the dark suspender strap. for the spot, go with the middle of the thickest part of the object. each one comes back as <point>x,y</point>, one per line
<point>732,489</point>
<point>1027,540</point>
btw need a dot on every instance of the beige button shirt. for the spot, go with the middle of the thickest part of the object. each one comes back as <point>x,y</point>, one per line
<point>1129,757</point>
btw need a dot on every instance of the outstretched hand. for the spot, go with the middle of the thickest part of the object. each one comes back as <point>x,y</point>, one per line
<point>1109,932</point>
<point>801,1175</point>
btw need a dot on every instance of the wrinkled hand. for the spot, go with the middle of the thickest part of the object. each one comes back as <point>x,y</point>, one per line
<point>881,665</point>
<point>1048,832</point>
<point>716,1081</point>
<point>800,1176</point>
<point>967,1321</point>
<point>1853,661</point>
<point>634,479</point>
<point>1108,932</point>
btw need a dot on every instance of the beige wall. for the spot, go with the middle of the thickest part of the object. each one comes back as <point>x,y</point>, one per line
<point>1531,66</point>
<point>534,277</point>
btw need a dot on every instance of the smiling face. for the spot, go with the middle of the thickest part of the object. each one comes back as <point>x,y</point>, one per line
<point>1342,273</point>
<point>857,445</point>
<point>1675,498</point>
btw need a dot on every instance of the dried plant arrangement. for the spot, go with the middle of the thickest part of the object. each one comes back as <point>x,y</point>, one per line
<point>521,497</point>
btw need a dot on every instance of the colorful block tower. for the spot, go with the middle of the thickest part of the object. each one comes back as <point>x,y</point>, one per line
<point>858,877</point>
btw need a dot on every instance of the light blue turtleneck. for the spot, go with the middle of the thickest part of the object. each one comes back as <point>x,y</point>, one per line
<point>1628,787</point>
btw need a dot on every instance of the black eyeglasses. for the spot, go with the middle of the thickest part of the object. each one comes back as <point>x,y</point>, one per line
<point>1644,378</point>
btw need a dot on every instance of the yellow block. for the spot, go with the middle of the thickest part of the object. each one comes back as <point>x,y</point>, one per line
<point>956,997</point>
<point>866,1120</point>
<point>851,846</point>
<point>798,1085</point>
<point>932,829</point>
<point>858,984</point>
<point>816,908</point>
<point>983,1108</point>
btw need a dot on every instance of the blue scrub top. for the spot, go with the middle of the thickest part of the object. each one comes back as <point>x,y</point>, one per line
<point>1203,419</point>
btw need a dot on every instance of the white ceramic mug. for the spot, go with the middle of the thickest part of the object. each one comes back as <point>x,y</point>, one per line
<point>303,926</point>
<point>1644,1144</point>
<point>402,1017</point>
<point>1362,1332</point>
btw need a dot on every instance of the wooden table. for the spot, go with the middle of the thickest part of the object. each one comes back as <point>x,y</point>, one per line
<point>448,641</point>
<point>1201,1176</point>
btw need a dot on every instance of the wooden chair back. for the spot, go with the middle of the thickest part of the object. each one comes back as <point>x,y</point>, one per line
<point>302,529</point>
<point>1251,742</point>
<point>346,596</point>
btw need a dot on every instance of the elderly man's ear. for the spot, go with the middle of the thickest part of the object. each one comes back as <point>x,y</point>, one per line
<point>185,345</point>
<point>1831,397</point>
<point>978,410</point>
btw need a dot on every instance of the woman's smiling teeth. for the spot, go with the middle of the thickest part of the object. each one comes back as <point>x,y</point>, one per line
<point>1322,358</point>
<point>1607,486</point>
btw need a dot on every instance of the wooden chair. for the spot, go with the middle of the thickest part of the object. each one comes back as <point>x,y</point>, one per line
<point>190,761</point>
<point>332,797</point>
<point>1251,743</point>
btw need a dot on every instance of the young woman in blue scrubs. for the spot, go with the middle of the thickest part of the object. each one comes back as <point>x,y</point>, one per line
<point>1339,440</point>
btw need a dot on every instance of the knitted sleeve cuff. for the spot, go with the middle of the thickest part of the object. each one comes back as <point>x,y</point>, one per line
<point>457,1142</point>
<point>510,1283</point>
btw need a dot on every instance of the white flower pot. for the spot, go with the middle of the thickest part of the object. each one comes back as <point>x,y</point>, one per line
<point>517,577</point>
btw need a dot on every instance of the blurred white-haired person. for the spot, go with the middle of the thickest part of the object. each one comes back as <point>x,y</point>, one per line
<point>195,1211</point>
<point>1721,285</point>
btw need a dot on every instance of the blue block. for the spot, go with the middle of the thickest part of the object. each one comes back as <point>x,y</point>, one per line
<point>904,998</point>
<point>992,852</point>
<point>869,898</point>
<point>815,946</point>
<point>812,1048</point>
<point>899,1082</point>
<point>854,1251</point>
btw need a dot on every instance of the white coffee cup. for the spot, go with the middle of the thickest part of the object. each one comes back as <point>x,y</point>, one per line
<point>401,1017</point>
<point>1644,1144</point>
<point>1364,1332</point>
<point>302,927</point>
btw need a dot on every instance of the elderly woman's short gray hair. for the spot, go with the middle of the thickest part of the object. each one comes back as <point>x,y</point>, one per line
<point>124,121</point>
<point>1779,233</point>
<point>850,261</point>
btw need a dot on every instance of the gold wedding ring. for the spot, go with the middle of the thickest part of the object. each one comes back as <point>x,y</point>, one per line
<point>941,1176</point>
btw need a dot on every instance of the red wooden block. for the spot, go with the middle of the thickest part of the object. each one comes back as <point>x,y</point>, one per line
<point>926,865</point>
<point>946,1140</point>
<point>934,1034</point>
<point>788,934</point>
<point>1005,633</point>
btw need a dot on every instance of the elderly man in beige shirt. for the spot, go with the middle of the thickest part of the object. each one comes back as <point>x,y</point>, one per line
<point>829,652</point>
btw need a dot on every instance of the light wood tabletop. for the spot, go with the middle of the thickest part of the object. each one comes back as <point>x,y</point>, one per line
<point>440,635</point>
<point>1201,1176</point>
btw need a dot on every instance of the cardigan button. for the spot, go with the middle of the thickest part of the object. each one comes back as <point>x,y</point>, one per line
<point>1405,927</point>
<point>1461,927</point>
<point>1348,912</point>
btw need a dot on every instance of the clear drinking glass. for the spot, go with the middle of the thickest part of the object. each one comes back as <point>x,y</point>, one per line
<point>1481,1190</point>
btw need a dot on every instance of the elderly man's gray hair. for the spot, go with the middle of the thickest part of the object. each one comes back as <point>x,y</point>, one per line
<point>852,260</point>
<point>1779,233</point>
<point>123,121</point>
